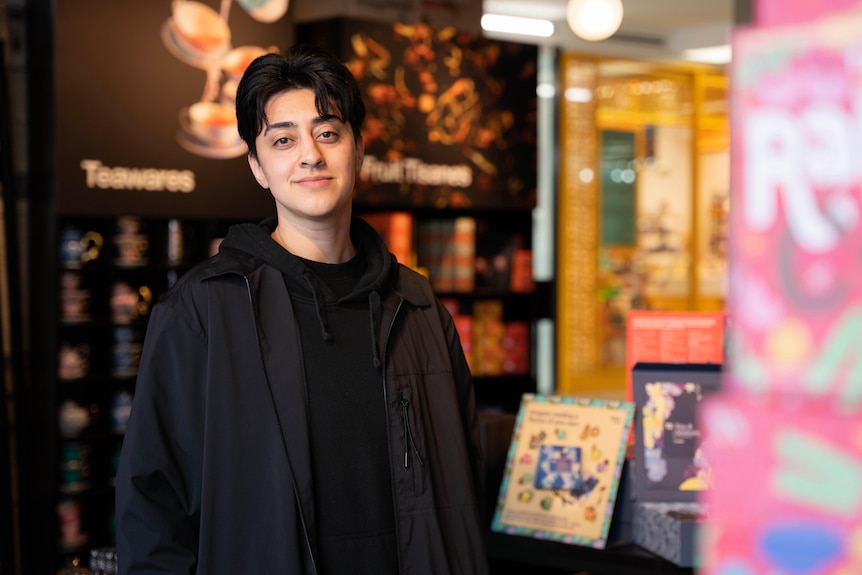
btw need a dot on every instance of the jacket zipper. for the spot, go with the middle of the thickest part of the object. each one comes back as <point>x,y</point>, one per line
<point>389,433</point>
<point>408,434</point>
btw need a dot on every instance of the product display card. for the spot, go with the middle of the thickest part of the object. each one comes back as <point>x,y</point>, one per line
<point>672,457</point>
<point>563,469</point>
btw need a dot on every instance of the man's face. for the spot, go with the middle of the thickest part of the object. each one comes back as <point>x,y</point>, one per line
<point>308,162</point>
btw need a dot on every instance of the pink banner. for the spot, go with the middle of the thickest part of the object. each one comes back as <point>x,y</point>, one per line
<point>796,229</point>
<point>781,12</point>
<point>787,497</point>
<point>785,438</point>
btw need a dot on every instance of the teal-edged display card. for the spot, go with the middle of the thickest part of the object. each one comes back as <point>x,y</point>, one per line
<point>563,469</point>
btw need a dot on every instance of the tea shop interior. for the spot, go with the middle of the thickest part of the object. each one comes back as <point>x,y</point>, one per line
<point>558,170</point>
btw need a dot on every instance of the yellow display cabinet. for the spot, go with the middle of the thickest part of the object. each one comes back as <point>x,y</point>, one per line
<point>642,206</point>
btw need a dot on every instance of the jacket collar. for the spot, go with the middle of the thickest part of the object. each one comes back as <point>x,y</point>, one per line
<point>406,284</point>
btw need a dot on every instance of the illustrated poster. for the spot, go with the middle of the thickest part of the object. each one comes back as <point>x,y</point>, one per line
<point>672,451</point>
<point>563,469</point>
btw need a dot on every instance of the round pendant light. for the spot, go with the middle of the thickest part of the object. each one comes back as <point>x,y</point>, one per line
<point>594,20</point>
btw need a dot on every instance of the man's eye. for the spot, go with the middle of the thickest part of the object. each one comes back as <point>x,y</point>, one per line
<point>282,141</point>
<point>328,135</point>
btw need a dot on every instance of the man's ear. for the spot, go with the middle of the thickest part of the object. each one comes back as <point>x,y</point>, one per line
<point>257,171</point>
<point>360,153</point>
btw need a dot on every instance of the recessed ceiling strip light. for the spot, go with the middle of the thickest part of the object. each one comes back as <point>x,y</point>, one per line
<point>517,25</point>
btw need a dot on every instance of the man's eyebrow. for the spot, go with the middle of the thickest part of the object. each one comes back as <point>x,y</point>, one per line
<point>278,126</point>
<point>289,124</point>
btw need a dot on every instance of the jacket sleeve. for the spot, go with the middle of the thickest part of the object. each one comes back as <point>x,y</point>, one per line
<point>467,402</point>
<point>158,479</point>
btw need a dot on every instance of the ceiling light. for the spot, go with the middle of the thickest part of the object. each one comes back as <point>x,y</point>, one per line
<point>594,20</point>
<point>517,25</point>
<point>712,55</point>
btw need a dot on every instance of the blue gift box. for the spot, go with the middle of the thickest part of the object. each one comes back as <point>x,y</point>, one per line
<point>669,530</point>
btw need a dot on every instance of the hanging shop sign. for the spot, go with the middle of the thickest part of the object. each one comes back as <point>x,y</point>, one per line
<point>144,107</point>
<point>451,116</point>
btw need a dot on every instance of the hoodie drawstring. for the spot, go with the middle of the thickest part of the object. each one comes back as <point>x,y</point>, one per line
<point>374,313</point>
<point>317,306</point>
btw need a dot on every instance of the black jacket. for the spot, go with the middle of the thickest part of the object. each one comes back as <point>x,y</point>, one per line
<point>215,473</point>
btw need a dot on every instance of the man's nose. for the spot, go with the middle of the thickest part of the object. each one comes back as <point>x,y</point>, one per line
<point>311,155</point>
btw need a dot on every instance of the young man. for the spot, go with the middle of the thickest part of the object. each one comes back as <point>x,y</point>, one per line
<point>303,405</point>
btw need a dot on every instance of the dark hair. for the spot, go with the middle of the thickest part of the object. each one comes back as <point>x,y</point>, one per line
<point>335,89</point>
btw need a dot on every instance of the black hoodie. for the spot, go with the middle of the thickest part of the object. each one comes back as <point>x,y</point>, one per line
<point>337,307</point>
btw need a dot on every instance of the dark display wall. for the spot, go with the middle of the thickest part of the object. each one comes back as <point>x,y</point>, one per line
<point>111,272</point>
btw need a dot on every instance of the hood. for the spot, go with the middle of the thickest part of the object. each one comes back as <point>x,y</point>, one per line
<point>380,267</point>
<point>256,241</point>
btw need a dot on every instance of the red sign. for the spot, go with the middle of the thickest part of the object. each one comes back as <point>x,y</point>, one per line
<point>673,337</point>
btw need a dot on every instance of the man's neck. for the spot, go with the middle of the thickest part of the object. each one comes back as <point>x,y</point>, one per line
<point>331,246</point>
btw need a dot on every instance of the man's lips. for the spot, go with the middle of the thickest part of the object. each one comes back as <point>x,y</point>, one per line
<point>313,180</point>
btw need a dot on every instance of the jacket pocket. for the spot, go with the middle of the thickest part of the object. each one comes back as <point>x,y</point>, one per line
<point>412,462</point>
